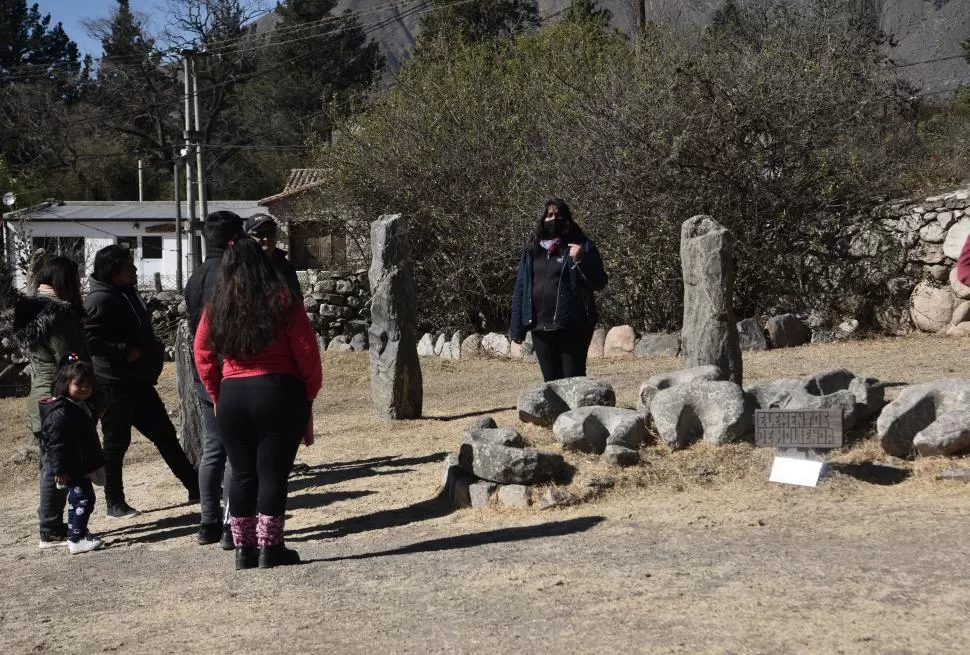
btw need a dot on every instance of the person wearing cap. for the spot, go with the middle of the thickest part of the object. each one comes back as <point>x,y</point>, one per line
<point>263,228</point>
<point>215,473</point>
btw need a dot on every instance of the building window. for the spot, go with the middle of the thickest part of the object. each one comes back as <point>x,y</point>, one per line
<point>151,247</point>
<point>131,243</point>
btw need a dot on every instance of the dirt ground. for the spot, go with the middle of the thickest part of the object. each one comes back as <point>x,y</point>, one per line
<point>691,552</point>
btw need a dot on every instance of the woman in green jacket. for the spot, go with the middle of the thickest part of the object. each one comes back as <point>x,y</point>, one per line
<point>48,326</point>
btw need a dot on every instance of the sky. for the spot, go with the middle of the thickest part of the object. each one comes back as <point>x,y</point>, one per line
<point>71,13</point>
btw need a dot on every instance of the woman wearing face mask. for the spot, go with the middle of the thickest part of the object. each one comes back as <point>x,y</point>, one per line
<point>558,273</point>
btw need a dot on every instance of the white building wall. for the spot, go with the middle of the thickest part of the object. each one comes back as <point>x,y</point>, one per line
<point>97,235</point>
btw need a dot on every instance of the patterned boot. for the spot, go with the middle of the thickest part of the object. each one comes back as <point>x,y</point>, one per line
<point>272,552</point>
<point>244,537</point>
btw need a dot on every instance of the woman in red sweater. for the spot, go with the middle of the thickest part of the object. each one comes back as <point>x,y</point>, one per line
<point>262,392</point>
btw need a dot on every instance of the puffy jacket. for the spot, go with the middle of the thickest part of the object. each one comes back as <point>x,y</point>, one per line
<point>49,330</point>
<point>70,439</point>
<point>117,323</point>
<point>575,302</point>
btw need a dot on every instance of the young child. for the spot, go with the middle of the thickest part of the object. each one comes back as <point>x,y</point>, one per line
<point>72,446</point>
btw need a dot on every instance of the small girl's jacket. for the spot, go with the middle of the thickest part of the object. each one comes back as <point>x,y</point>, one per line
<point>71,441</point>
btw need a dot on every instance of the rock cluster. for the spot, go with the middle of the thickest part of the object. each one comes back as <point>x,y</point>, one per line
<point>338,305</point>
<point>927,419</point>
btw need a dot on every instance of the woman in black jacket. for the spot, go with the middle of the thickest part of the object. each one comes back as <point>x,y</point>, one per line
<point>553,297</point>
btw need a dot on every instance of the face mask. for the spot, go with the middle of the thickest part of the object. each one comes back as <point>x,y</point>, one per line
<point>553,228</point>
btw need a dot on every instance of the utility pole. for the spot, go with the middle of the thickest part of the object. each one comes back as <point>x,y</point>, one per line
<point>199,168</point>
<point>141,180</point>
<point>178,224</point>
<point>189,135</point>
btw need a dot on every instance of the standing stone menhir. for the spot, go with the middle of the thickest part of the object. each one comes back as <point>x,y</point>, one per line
<point>395,372</point>
<point>709,335</point>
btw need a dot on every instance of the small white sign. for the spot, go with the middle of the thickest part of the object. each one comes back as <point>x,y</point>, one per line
<point>789,470</point>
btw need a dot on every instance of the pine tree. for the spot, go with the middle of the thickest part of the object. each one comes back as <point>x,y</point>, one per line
<point>478,21</point>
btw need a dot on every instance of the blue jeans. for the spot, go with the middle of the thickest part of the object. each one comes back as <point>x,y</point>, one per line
<point>80,504</point>
<point>214,470</point>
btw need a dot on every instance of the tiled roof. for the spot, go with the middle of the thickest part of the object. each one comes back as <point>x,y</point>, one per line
<point>299,180</point>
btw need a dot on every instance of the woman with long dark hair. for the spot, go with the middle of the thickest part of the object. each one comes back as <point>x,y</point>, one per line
<point>553,298</point>
<point>262,391</point>
<point>49,326</point>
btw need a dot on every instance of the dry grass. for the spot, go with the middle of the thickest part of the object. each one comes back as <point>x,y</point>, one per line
<point>458,392</point>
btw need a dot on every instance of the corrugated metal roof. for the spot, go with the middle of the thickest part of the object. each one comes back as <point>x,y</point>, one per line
<point>129,210</point>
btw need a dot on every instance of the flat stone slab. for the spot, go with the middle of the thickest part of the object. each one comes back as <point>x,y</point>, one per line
<point>592,429</point>
<point>666,380</point>
<point>715,412</point>
<point>543,404</point>
<point>657,345</point>
<point>913,413</point>
<point>514,495</point>
<point>620,456</point>
<point>506,465</point>
<point>500,436</point>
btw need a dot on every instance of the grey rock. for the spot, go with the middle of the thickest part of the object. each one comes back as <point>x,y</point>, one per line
<point>932,233</point>
<point>513,495</point>
<point>358,342</point>
<point>339,343</point>
<point>543,404</point>
<point>787,331</point>
<point>426,346</point>
<point>709,334</point>
<point>345,287</point>
<point>471,347</point>
<point>482,423</point>
<point>859,398</point>
<point>496,345</point>
<point>499,436</point>
<point>334,299</point>
<point>558,498</point>
<point>455,350</point>
<point>657,345</point>
<point>356,327</point>
<point>751,336</point>
<point>480,493</point>
<point>506,465</point>
<point>395,371</point>
<point>354,302</point>
<point>311,305</point>
<point>939,273</point>
<point>666,380</point>
<point>331,311</point>
<point>439,346</point>
<point>592,429</point>
<point>597,344</point>
<point>620,456</point>
<point>916,409</point>
<point>715,412</point>
<point>955,475</point>
<point>949,434</point>
<point>326,286</point>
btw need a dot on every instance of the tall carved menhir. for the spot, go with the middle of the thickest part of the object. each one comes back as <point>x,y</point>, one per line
<point>395,372</point>
<point>710,335</point>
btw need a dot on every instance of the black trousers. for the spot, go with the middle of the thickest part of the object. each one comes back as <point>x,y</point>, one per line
<point>138,405</point>
<point>562,353</point>
<point>50,510</point>
<point>262,420</point>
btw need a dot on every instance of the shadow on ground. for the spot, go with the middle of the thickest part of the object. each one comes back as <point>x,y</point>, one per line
<point>336,472</point>
<point>501,535</point>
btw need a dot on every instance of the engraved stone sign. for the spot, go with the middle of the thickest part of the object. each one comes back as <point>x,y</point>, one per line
<point>802,428</point>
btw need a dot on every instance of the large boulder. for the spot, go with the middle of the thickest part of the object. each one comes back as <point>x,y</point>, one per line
<point>956,236</point>
<point>426,346</point>
<point>592,429</point>
<point>860,398</point>
<point>709,334</point>
<point>471,347</point>
<point>506,465</point>
<point>787,330</point>
<point>543,404</point>
<point>496,345</point>
<point>914,412</point>
<point>657,345</point>
<point>751,336</point>
<point>713,412</point>
<point>619,342</point>
<point>597,345</point>
<point>666,380</point>
<point>949,434</point>
<point>931,307</point>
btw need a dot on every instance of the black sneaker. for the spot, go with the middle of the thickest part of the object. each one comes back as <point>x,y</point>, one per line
<point>247,557</point>
<point>52,540</point>
<point>209,533</point>
<point>279,555</point>
<point>226,542</point>
<point>122,510</point>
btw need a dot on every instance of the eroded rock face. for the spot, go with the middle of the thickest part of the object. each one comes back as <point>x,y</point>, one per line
<point>751,336</point>
<point>395,372</point>
<point>859,398</point>
<point>543,404</point>
<point>929,418</point>
<point>592,429</point>
<point>709,334</point>
<point>506,465</point>
<point>715,412</point>
<point>666,380</point>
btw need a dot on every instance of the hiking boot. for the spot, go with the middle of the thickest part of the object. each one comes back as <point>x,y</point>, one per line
<point>247,557</point>
<point>122,510</point>
<point>279,555</point>
<point>226,542</point>
<point>209,533</point>
<point>84,545</point>
<point>52,540</point>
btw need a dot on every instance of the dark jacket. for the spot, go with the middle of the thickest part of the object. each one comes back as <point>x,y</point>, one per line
<point>117,323</point>
<point>288,271</point>
<point>201,285</point>
<point>575,304</point>
<point>71,442</point>
<point>49,330</point>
